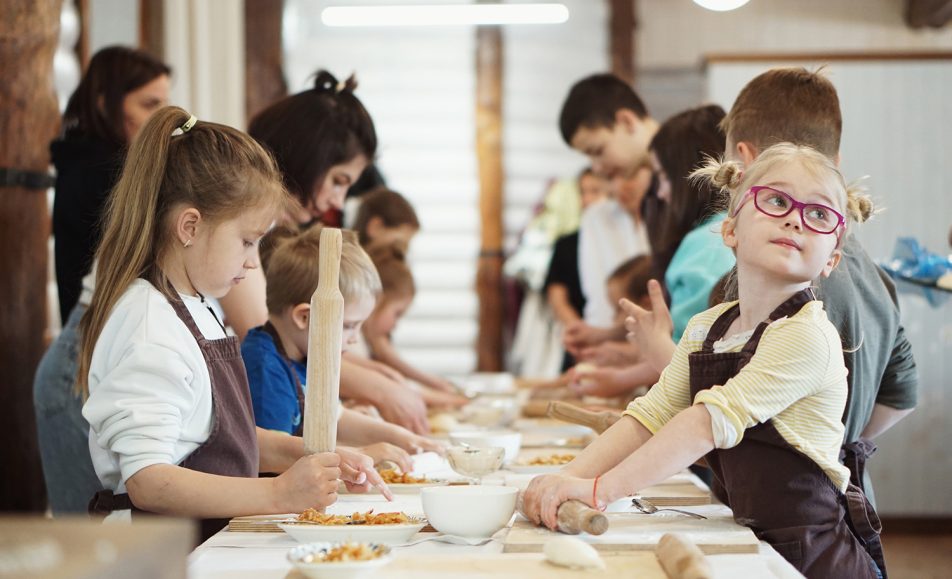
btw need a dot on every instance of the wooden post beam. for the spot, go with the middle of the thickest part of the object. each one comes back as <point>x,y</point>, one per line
<point>264,76</point>
<point>29,119</point>
<point>489,69</point>
<point>622,35</point>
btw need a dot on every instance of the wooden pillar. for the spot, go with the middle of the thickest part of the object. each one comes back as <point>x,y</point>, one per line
<point>489,156</point>
<point>82,43</point>
<point>152,27</point>
<point>29,119</point>
<point>264,74</point>
<point>622,19</point>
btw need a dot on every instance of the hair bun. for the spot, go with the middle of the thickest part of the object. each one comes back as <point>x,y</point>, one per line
<point>729,175</point>
<point>858,204</point>
<point>325,82</point>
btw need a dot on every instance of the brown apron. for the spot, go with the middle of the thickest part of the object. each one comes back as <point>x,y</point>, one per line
<point>268,328</point>
<point>780,493</point>
<point>232,445</point>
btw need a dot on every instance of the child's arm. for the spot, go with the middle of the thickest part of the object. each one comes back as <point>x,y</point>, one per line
<point>375,365</point>
<point>172,490</point>
<point>558,297</point>
<point>384,352</point>
<point>397,403</point>
<point>683,440</point>
<point>358,430</point>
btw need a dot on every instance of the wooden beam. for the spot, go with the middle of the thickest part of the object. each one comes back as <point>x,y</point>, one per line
<point>264,74</point>
<point>928,13</point>
<point>29,119</point>
<point>82,43</point>
<point>152,27</point>
<point>489,63</point>
<point>622,33</point>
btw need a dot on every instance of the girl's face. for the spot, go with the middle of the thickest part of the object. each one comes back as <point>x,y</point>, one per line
<point>664,183</point>
<point>782,246</point>
<point>330,192</point>
<point>221,254</point>
<point>388,313</point>
<point>138,105</point>
<point>356,311</point>
<point>593,188</point>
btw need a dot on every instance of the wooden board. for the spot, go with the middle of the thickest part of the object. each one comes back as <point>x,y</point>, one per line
<point>522,565</point>
<point>269,524</point>
<point>638,532</point>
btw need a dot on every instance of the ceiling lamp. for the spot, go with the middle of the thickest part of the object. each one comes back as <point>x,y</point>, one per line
<point>445,15</point>
<point>721,5</point>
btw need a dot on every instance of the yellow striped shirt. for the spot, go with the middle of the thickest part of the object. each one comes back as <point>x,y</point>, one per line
<point>796,379</point>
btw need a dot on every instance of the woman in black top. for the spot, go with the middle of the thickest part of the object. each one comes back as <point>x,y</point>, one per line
<point>121,88</point>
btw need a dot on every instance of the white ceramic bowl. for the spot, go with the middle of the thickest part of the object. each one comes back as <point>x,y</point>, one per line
<point>507,439</point>
<point>305,559</point>
<point>469,511</point>
<point>383,534</point>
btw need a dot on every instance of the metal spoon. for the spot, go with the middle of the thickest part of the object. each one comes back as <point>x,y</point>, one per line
<point>650,509</point>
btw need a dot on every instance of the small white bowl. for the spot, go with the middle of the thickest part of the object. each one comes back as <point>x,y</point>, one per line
<point>302,557</point>
<point>507,439</point>
<point>383,534</point>
<point>469,511</point>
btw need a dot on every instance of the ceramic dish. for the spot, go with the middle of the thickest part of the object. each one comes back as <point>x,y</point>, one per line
<point>307,560</point>
<point>383,534</point>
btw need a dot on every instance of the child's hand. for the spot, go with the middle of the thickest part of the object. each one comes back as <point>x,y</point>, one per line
<point>439,399</point>
<point>591,381</point>
<point>414,444</point>
<point>358,472</point>
<point>404,406</point>
<point>310,483</point>
<point>443,385</point>
<point>650,330</point>
<point>386,452</point>
<point>611,354</point>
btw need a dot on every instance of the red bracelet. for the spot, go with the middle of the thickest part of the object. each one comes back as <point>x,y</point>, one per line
<point>594,497</point>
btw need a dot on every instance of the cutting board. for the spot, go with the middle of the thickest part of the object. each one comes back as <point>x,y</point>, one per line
<point>637,532</point>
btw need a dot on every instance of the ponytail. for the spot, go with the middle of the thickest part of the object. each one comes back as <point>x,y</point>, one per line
<point>395,275</point>
<point>173,161</point>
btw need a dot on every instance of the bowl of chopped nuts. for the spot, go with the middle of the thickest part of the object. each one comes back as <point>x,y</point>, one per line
<point>312,526</point>
<point>339,560</point>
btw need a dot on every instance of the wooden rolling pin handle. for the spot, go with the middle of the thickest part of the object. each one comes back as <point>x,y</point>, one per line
<point>681,559</point>
<point>567,412</point>
<point>576,517</point>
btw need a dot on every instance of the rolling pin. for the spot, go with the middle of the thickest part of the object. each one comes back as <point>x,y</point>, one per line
<point>325,332</point>
<point>681,559</point>
<point>575,517</point>
<point>567,412</point>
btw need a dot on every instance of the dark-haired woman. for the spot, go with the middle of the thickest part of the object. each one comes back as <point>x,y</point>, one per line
<point>122,87</point>
<point>323,138</point>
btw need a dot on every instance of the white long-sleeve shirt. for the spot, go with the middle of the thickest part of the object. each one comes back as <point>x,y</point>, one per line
<point>150,398</point>
<point>607,237</point>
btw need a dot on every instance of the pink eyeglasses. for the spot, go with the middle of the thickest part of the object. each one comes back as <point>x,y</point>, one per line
<point>775,203</point>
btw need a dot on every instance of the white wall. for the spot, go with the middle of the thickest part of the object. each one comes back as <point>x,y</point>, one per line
<point>419,86</point>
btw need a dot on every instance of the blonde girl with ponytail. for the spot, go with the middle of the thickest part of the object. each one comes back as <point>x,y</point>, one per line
<point>171,426</point>
<point>756,386</point>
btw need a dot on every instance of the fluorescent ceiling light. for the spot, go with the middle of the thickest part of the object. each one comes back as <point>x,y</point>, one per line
<point>721,5</point>
<point>445,15</point>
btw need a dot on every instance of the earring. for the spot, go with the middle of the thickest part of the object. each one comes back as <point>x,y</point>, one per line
<point>188,242</point>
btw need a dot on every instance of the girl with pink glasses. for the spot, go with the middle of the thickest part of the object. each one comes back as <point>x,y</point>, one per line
<point>757,386</point>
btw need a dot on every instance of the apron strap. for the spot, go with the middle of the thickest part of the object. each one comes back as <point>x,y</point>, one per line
<point>106,501</point>
<point>854,455</point>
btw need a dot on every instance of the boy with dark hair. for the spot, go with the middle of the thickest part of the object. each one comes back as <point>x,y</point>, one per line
<point>603,118</point>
